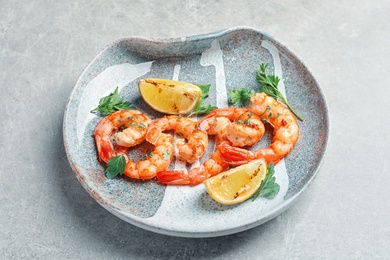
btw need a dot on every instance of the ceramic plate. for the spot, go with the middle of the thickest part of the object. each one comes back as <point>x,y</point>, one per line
<point>225,59</point>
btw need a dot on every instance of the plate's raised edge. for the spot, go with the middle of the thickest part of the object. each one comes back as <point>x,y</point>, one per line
<point>284,206</point>
<point>156,40</point>
<point>140,222</point>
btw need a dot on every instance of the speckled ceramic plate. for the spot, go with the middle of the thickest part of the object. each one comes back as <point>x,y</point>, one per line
<point>225,59</point>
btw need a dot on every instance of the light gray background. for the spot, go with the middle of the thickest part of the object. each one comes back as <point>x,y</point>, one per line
<point>44,46</point>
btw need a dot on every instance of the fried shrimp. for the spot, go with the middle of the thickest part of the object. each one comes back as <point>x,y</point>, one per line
<point>285,133</point>
<point>126,127</point>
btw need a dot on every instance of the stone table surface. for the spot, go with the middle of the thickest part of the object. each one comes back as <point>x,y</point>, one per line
<point>46,214</point>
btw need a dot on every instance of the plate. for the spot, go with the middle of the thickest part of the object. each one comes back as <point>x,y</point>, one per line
<point>225,59</point>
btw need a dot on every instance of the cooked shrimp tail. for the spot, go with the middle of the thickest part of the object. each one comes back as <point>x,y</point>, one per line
<point>235,156</point>
<point>174,177</point>
<point>213,166</point>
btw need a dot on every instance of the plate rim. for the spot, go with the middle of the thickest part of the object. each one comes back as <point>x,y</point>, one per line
<point>135,220</point>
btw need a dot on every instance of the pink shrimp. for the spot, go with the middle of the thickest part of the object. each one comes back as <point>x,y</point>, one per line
<point>127,127</point>
<point>285,134</point>
<point>133,125</point>
<point>192,142</point>
<point>236,125</point>
<point>232,127</point>
<point>158,160</point>
<point>211,167</point>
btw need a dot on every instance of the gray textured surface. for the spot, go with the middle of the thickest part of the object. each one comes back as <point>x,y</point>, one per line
<point>46,214</point>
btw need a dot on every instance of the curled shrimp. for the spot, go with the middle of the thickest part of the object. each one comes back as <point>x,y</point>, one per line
<point>158,160</point>
<point>211,167</point>
<point>236,125</point>
<point>232,127</point>
<point>192,142</point>
<point>126,127</point>
<point>285,133</point>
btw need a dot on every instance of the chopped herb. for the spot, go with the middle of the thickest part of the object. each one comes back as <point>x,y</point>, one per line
<point>111,103</point>
<point>245,122</point>
<point>268,187</point>
<point>116,165</point>
<point>140,126</point>
<point>268,108</point>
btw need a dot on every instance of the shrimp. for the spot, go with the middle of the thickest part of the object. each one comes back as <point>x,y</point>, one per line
<point>158,160</point>
<point>232,127</point>
<point>236,125</point>
<point>285,134</point>
<point>195,176</point>
<point>132,126</point>
<point>192,142</point>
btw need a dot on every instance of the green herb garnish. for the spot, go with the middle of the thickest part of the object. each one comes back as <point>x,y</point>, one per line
<point>200,107</point>
<point>269,85</point>
<point>240,97</point>
<point>111,103</point>
<point>268,187</point>
<point>116,165</point>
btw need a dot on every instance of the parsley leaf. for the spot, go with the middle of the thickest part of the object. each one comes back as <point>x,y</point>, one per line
<point>205,90</point>
<point>240,97</point>
<point>111,103</point>
<point>116,165</point>
<point>269,85</point>
<point>200,107</point>
<point>268,187</point>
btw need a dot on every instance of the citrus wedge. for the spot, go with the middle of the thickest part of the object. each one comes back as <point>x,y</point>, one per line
<point>169,96</point>
<point>238,184</point>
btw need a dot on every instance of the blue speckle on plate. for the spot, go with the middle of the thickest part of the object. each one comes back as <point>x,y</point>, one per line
<point>233,57</point>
